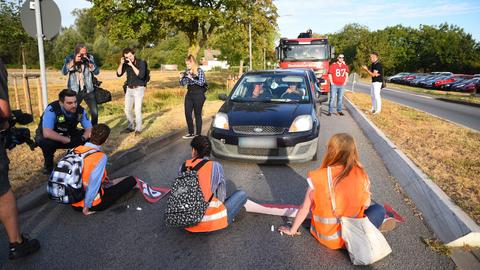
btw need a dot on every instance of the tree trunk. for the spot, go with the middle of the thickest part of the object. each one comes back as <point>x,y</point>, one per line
<point>194,49</point>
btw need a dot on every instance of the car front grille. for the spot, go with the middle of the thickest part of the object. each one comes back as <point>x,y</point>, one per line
<point>259,130</point>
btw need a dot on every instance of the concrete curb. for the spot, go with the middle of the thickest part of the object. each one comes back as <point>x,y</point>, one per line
<point>449,223</point>
<point>116,161</point>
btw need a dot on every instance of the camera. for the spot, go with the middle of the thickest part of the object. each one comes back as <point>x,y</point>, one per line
<point>15,135</point>
<point>83,61</point>
<point>126,61</point>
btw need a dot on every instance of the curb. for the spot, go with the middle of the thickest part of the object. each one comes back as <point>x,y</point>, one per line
<point>449,223</point>
<point>118,160</point>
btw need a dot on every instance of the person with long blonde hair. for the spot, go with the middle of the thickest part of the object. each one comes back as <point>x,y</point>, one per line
<point>194,78</point>
<point>351,188</point>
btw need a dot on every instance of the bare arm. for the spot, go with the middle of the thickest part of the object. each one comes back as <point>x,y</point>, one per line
<point>87,133</point>
<point>53,135</point>
<point>301,215</point>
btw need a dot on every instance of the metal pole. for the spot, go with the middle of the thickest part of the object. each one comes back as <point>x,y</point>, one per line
<point>41,55</point>
<point>250,42</point>
<point>354,81</point>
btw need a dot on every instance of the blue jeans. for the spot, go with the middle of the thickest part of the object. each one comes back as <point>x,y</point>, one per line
<point>234,203</point>
<point>336,92</point>
<point>376,214</point>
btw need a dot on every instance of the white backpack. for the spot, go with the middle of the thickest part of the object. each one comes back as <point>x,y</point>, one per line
<point>65,182</point>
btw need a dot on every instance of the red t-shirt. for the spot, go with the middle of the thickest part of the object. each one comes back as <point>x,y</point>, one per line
<point>339,73</point>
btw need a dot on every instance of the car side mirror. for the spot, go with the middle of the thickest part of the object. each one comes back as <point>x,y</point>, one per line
<point>322,98</point>
<point>222,97</point>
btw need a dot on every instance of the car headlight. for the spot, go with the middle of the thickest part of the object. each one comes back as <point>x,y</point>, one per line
<point>221,121</point>
<point>301,123</point>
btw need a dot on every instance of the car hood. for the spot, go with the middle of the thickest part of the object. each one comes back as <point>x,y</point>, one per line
<point>264,114</point>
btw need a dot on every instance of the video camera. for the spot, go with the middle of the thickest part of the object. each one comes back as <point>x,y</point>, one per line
<point>15,135</point>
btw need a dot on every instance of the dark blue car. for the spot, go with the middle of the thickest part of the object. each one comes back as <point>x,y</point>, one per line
<point>269,116</point>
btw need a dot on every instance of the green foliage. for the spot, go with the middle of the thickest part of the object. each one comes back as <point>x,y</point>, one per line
<point>428,48</point>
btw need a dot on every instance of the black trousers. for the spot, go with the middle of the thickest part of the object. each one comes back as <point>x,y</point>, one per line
<point>113,193</point>
<point>49,147</point>
<point>91,103</point>
<point>194,102</point>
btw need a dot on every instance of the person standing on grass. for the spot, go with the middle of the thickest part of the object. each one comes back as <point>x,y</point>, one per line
<point>80,67</point>
<point>376,72</point>
<point>135,87</point>
<point>338,75</point>
<point>194,78</point>
<point>20,245</point>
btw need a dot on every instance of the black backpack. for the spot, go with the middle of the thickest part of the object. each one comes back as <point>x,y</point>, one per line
<point>186,205</point>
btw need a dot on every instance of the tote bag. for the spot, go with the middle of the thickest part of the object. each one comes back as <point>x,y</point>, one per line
<point>364,242</point>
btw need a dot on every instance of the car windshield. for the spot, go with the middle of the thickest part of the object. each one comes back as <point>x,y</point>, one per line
<point>272,88</point>
<point>301,52</point>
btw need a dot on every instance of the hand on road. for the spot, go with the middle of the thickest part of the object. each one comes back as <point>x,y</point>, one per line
<point>87,212</point>
<point>288,231</point>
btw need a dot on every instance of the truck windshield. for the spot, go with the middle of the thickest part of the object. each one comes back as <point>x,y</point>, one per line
<point>305,52</point>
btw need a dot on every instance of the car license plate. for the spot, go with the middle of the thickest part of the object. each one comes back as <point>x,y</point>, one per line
<point>257,142</point>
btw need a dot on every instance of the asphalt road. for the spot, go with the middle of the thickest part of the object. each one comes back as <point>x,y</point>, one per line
<point>465,115</point>
<point>126,238</point>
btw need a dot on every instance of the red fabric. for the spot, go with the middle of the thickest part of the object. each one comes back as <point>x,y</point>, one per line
<point>339,73</point>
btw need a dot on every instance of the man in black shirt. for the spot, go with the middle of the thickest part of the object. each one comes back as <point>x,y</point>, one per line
<point>376,72</point>
<point>19,245</point>
<point>135,87</point>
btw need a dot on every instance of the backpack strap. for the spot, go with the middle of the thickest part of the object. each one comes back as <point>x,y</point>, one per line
<point>200,164</point>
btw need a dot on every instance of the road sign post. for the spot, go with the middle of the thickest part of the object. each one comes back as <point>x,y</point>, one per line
<point>41,53</point>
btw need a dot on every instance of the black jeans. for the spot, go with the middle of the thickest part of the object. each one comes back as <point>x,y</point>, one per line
<point>4,182</point>
<point>194,102</point>
<point>112,194</point>
<point>91,103</point>
<point>49,147</point>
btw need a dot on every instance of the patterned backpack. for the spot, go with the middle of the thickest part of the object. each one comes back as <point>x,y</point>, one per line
<point>65,182</point>
<point>186,205</point>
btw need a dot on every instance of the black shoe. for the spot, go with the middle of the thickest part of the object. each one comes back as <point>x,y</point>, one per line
<point>27,247</point>
<point>128,130</point>
<point>188,136</point>
<point>329,113</point>
<point>137,133</point>
<point>341,113</point>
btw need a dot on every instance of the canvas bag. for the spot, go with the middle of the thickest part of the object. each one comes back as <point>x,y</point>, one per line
<point>364,242</point>
<point>186,205</point>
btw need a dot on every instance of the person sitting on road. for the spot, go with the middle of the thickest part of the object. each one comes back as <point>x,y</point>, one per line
<point>351,188</point>
<point>221,210</point>
<point>259,93</point>
<point>100,193</point>
<point>58,127</point>
<point>292,92</point>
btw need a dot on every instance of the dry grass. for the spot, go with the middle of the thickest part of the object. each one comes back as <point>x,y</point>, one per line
<point>451,95</point>
<point>162,113</point>
<point>447,153</point>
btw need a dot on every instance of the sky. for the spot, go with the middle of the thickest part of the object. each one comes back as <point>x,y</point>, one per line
<point>329,16</point>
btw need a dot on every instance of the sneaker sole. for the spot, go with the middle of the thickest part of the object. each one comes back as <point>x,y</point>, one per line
<point>388,225</point>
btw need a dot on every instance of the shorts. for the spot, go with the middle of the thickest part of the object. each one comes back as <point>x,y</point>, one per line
<point>4,182</point>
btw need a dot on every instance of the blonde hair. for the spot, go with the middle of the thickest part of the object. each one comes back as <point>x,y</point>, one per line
<point>194,65</point>
<point>342,150</point>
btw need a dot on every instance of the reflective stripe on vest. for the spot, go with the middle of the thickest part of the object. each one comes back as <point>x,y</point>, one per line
<point>334,236</point>
<point>215,204</point>
<point>218,215</point>
<point>325,220</point>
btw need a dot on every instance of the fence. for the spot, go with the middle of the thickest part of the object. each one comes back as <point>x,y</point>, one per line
<point>27,104</point>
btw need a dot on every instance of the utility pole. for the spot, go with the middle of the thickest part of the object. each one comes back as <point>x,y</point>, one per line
<point>250,42</point>
<point>41,54</point>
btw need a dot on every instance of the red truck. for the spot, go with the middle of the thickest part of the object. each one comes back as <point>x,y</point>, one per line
<point>307,52</point>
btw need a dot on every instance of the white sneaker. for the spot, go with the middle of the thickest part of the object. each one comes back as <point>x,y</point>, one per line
<point>188,136</point>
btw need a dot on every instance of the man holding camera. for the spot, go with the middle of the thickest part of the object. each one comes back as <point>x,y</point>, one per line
<point>20,245</point>
<point>137,78</point>
<point>81,68</point>
<point>58,127</point>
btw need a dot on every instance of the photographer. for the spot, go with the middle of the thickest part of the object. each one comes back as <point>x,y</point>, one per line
<point>194,78</point>
<point>58,127</point>
<point>81,68</point>
<point>135,87</point>
<point>20,246</point>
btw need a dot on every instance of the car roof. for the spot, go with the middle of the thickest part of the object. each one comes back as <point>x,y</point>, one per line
<point>292,71</point>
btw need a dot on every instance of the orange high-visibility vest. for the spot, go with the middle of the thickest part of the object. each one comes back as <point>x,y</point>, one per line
<point>351,195</point>
<point>215,217</point>
<point>88,166</point>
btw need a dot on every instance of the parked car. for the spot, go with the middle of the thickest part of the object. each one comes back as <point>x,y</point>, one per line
<point>398,75</point>
<point>273,127</point>
<point>430,82</point>
<point>467,85</point>
<point>459,80</point>
<point>450,79</point>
